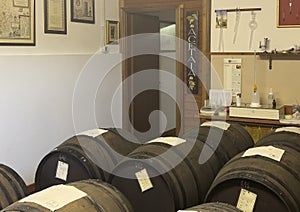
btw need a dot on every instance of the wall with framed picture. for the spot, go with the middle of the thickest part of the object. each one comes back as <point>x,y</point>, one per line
<point>268,25</point>
<point>34,77</point>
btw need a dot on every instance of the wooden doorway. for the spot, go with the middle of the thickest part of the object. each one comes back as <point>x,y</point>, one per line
<point>133,22</point>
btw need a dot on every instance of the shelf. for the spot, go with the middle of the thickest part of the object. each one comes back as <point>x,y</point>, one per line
<point>278,56</point>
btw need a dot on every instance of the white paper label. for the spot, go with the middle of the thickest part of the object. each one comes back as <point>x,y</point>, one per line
<point>289,129</point>
<point>144,180</point>
<point>93,133</point>
<point>219,124</point>
<point>265,151</point>
<point>173,141</point>
<point>55,197</point>
<point>62,170</point>
<point>246,201</point>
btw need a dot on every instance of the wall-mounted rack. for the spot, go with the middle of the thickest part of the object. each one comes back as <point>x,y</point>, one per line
<point>241,9</point>
<point>278,56</point>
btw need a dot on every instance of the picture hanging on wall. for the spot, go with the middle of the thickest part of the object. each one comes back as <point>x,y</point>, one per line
<point>112,32</point>
<point>288,13</point>
<point>83,11</point>
<point>55,16</point>
<point>17,22</point>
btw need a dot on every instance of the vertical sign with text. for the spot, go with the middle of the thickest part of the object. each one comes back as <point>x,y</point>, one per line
<point>192,55</point>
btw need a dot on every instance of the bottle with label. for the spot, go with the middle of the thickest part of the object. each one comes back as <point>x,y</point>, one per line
<point>238,99</point>
<point>270,98</point>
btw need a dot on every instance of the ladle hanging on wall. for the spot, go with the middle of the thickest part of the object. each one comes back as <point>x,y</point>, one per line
<point>252,26</point>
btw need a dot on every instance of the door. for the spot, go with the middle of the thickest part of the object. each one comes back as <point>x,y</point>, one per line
<point>142,119</point>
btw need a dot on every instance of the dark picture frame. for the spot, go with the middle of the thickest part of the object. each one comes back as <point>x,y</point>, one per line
<point>55,16</point>
<point>112,32</point>
<point>83,11</point>
<point>18,18</point>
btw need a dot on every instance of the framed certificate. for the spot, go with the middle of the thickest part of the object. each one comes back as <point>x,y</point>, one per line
<point>55,16</point>
<point>83,11</point>
<point>17,22</point>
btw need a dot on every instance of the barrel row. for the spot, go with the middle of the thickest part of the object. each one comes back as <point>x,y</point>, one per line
<point>170,176</point>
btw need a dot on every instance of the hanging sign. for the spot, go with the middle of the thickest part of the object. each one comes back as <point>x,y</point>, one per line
<point>192,58</point>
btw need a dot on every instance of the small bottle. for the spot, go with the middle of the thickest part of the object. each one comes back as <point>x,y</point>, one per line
<point>270,98</point>
<point>274,104</point>
<point>238,99</point>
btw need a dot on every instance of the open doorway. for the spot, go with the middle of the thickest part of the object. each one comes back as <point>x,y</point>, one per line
<point>151,112</point>
<point>144,16</point>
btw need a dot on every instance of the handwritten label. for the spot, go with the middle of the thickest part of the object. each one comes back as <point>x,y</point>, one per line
<point>173,141</point>
<point>265,151</point>
<point>246,201</point>
<point>219,124</point>
<point>289,129</point>
<point>144,180</point>
<point>62,170</point>
<point>55,197</point>
<point>93,133</point>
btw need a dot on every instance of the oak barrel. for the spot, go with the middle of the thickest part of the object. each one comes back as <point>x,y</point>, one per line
<point>12,186</point>
<point>86,195</point>
<point>88,155</point>
<point>264,178</point>
<point>285,136</point>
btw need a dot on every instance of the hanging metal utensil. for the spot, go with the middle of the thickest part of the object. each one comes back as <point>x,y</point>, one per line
<point>237,22</point>
<point>252,26</point>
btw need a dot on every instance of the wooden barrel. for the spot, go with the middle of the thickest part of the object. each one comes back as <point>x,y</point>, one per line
<point>88,155</point>
<point>227,139</point>
<point>86,195</point>
<point>181,186</point>
<point>213,207</point>
<point>12,186</point>
<point>265,178</point>
<point>285,136</point>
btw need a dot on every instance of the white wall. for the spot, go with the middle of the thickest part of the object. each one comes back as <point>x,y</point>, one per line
<point>281,38</point>
<point>37,85</point>
<point>167,82</point>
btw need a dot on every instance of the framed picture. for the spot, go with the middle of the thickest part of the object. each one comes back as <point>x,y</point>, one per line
<point>288,14</point>
<point>55,16</point>
<point>17,22</point>
<point>112,32</point>
<point>83,11</point>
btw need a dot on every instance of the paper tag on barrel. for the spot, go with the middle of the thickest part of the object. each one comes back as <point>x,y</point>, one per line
<point>289,129</point>
<point>219,124</point>
<point>265,151</point>
<point>144,180</point>
<point>93,133</point>
<point>172,141</point>
<point>62,170</point>
<point>246,201</point>
<point>55,197</point>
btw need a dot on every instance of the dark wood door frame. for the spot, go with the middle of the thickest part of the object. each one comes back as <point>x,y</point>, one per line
<point>183,121</point>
